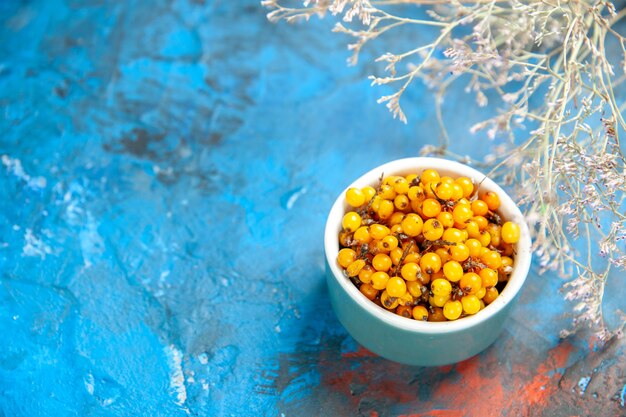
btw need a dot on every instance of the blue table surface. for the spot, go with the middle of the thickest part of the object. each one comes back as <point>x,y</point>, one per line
<point>166,171</point>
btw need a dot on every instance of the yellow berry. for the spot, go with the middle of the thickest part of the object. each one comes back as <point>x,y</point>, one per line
<point>415,193</point>
<point>446,219</point>
<point>453,235</point>
<point>351,221</point>
<point>479,207</point>
<point>368,291</point>
<point>365,276</point>
<point>492,200</point>
<point>379,280</point>
<point>396,218</point>
<point>453,271</point>
<point>385,209</point>
<point>387,192</point>
<point>438,300</point>
<point>492,259</point>
<point>387,244</point>
<point>481,293</point>
<point>470,303</point>
<point>457,192</point>
<point>432,229</point>
<point>410,271</point>
<point>429,175</point>
<point>441,286</point>
<point>490,295</point>
<point>444,191</point>
<point>431,207</point>
<point>510,232</point>
<point>401,202</point>
<point>381,262</point>
<point>368,193</point>
<point>412,225</point>
<point>420,313</point>
<point>467,185</point>
<point>355,267</point>
<point>401,185</point>
<point>414,288</point>
<point>388,301</point>
<point>462,213</point>
<point>345,257</point>
<point>470,283</point>
<point>378,231</point>
<point>489,277</point>
<point>396,287</point>
<point>430,263</point>
<point>355,197</point>
<point>362,235</point>
<point>459,252</point>
<point>474,247</point>
<point>452,309</point>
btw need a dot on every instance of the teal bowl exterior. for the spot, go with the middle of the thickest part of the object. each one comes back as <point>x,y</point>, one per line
<point>406,346</point>
<point>410,341</point>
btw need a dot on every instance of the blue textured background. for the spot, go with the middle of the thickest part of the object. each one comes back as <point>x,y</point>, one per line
<point>166,172</point>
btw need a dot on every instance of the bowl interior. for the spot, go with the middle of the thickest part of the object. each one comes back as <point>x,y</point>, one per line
<point>508,209</point>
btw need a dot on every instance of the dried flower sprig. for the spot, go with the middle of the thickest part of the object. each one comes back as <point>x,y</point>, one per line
<point>546,62</point>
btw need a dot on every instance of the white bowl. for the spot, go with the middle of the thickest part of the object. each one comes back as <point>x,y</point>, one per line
<point>417,342</point>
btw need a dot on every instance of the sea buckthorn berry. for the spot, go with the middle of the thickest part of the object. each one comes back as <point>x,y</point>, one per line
<point>481,221</point>
<point>389,180</point>
<point>430,263</point>
<point>507,261</point>
<point>401,202</point>
<point>441,286</point>
<point>429,189</point>
<point>400,185</point>
<point>396,255</point>
<point>345,238</point>
<point>452,310</point>
<point>396,229</point>
<point>496,234</point>
<point>480,208</point>
<point>484,251</point>
<point>396,287</point>
<point>355,197</point>
<point>472,229</point>
<point>444,255</point>
<point>447,180</point>
<point>378,231</point>
<point>492,200</point>
<point>406,300</point>
<point>345,257</point>
<point>510,232</point>
<point>432,229</point>
<point>368,193</point>
<point>415,192</point>
<point>470,283</point>
<point>376,203</point>
<point>385,210</point>
<point>412,225</point>
<point>481,293</point>
<point>429,175</point>
<point>410,271</point>
<point>365,275</point>
<point>466,184</point>
<point>489,277</point>
<point>412,257</point>
<point>368,291</point>
<point>414,288</point>
<point>404,311</point>
<point>420,313</point>
<point>444,191</point>
<point>355,267</point>
<point>387,244</point>
<point>492,259</point>
<point>388,301</point>
<point>431,208</point>
<point>464,235</point>
<point>490,295</point>
<point>381,262</point>
<point>453,235</point>
<point>351,221</point>
<point>411,177</point>
<point>457,192</point>
<point>482,305</point>
<point>379,280</point>
<point>438,300</point>
<point>387,192</point>
<point>471,304</point>
<point>446,219</point>
<point>459,252</point>
<point>396,218</point>
<point>453,271</point>
<point>362,235</point>
<point>462,213</point>
<point>474,247</point>
<point>436,314</point>
<point>485,238</point>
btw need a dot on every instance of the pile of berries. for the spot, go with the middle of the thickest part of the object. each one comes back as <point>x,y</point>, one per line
<point>427,247</point>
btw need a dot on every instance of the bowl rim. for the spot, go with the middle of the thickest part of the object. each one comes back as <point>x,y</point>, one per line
<point>417,164</point>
